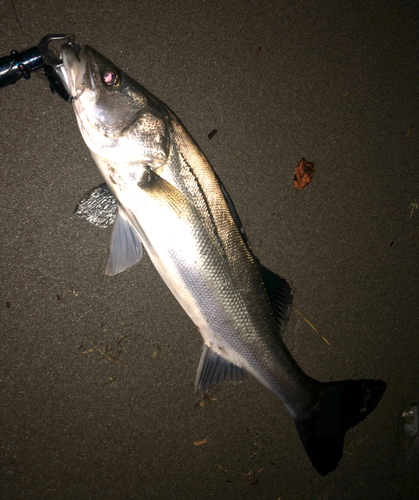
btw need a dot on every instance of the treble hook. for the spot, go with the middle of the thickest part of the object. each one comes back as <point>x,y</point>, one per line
<point>71,99</point>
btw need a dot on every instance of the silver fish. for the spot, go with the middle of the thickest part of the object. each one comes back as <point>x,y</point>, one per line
<point>171,202</point>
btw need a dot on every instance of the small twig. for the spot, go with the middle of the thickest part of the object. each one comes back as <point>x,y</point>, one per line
<point>202,441</point>
<point>314,328</point>
<point>414,207</point>
<point>103,353</point>
<point>254,454</point>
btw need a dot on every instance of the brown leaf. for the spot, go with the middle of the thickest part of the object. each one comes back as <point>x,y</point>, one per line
<point>303,174</point>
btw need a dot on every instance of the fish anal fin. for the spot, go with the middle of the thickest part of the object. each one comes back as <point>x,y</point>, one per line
<point>126,248</point>
<point>214,369</point>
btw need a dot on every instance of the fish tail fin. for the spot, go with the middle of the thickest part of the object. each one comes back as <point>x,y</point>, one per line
<point>341,406</point>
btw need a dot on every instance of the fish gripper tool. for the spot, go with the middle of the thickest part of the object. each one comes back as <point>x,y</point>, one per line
<point>19,65</point>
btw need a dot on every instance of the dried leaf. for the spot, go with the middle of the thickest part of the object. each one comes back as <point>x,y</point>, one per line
<point>198,443</point>
<point>303,174</point>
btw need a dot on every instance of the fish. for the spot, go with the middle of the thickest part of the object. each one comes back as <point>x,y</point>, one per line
<point>161,194</point>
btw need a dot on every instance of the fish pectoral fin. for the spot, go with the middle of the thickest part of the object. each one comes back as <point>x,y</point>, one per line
<point>126,248</point>
<point>167,196</point>
<point>98,207</point>
<point>214,369</point>
<point>280,295</point>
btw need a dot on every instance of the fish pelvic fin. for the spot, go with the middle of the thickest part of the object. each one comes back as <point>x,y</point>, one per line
<point>214,369</point>
<point>343,405</point>
<point>126,248</point>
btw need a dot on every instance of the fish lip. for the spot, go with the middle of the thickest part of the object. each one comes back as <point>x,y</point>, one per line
<point>77,75</point>
<point>74,70</point>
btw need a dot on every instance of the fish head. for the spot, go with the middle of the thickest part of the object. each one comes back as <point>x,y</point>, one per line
<point>117,117</point>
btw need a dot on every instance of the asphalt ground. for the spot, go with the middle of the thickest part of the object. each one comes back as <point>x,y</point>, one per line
<point>97,372</point>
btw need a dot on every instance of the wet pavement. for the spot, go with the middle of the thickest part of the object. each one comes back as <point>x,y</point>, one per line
<point>97,372</point>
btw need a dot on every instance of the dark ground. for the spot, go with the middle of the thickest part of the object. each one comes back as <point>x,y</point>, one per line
<point>334,82</point>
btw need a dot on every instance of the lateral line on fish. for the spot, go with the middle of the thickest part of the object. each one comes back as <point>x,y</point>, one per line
<point>312,326</point>
<point>204,197</point>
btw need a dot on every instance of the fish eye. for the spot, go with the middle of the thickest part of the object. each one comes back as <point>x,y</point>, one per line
<point>110,77</point>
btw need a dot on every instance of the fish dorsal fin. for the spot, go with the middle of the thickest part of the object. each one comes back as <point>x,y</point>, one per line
<point>98,207</point>
<point>214,369</point>
<point>280,295</point>
<point>126,249</point>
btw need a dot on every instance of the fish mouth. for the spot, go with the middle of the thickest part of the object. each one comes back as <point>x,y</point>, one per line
<point>74,74</point>
<point>77,75</point>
